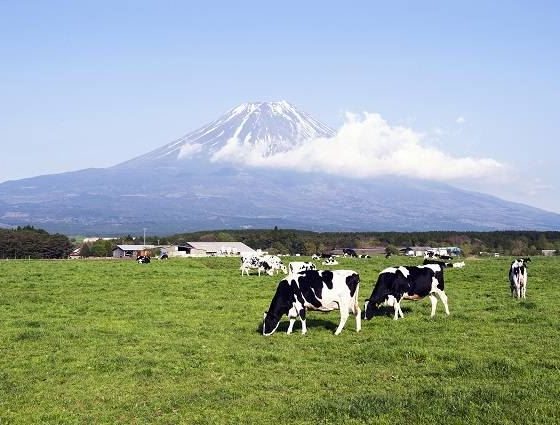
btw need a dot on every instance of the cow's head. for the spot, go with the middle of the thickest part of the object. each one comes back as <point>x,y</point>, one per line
<point>280,305</point>
<point>369,309</point>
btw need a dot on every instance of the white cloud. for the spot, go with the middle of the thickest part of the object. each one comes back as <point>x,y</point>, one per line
<point>460,120</point>
<point>366,146</point>
<point>188,150</point>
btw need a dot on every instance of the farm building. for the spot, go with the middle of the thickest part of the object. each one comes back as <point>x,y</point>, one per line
<point>205,249</point>
<point>132,251</point>
<point>420,251</point>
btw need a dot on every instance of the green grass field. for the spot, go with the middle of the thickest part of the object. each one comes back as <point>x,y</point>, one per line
<point>95,342</point>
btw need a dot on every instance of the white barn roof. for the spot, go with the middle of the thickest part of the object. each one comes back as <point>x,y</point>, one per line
<point>221,246</point>
<point>134,247</point>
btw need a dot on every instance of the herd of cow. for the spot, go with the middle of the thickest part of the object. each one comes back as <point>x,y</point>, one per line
<point>306,288</point>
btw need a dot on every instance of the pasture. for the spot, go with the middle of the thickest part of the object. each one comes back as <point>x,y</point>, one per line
<point>178,341</point>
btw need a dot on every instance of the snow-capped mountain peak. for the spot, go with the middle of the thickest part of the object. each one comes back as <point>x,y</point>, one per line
<point>263,128</point>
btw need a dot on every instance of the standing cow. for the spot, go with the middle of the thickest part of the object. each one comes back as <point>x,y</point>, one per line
<point>518,277</point>
<point>322,290</point>
<point>395,284</point>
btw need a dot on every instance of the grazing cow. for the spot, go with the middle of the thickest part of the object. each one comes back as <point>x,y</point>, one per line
<point>409,283</point>
<point>315,257</point>
<point>363,256</point>
<point>322,290</point>
<point>143,259</point>
<point>250,261</point>
<point>330,262</point>
<point>518,277</point>
<point>271,264</point>
<point>299,266</point>
<point>348,252</point>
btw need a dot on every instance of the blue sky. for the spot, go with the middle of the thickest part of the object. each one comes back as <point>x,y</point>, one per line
<point>90,84</point>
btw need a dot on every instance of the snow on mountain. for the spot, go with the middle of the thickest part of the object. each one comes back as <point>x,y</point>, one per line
<point>261,128</point>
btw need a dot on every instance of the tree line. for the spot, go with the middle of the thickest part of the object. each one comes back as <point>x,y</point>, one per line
<point>29,242</point>
<point>308,243</point>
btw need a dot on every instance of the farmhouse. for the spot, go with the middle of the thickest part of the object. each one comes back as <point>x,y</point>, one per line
<point>132,251</point>
<point>207,249</point>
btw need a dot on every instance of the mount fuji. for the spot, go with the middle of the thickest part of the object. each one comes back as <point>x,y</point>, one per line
<point>201,181</point>
<point>261,128</point>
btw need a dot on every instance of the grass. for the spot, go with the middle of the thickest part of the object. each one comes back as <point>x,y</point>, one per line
<point>94,342</point>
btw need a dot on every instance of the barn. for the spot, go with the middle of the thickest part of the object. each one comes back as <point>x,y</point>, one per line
<point>132,251</point>
<point>207,249</point>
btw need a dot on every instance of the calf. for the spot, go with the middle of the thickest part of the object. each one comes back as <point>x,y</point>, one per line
<point>299,266</point>
<point>322,290</point>
<point>518,277</point>
<point>409,283</point>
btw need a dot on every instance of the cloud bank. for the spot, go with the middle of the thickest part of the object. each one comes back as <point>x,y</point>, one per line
<point>367,146</point>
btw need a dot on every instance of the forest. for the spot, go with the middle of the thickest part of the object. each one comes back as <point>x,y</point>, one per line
<point>29,242</point>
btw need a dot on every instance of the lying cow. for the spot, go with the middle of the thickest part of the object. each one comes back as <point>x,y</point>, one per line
<point>330,262</point>
<point>322,290</point>
<point>143,259</point>
<point>443,264</point>
<point>395,284</point>
<point>300,266</point>
<point>518,277</point>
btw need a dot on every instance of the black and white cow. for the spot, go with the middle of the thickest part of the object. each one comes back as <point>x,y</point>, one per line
<point>518,277</point>
<point>143,259</point>
<point>250,261</point>
<point>322,290</point>
<point>443,264</point>
<point>395,284</point>
<point>330,262</point>
<point>363,256</point>
<point>299,266</point>
<point>271,264</point>
<point>349,252</point>
<point>268,264</point>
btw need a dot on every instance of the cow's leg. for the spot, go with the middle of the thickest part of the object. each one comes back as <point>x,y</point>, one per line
<point>433,300</point>
<point>443,297</point>
<point>302,319</point>
<point>343,317</point>
<point>396,308</point>
<point>400,311</point>
<point>291,325</point>
<point>358,315</point>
